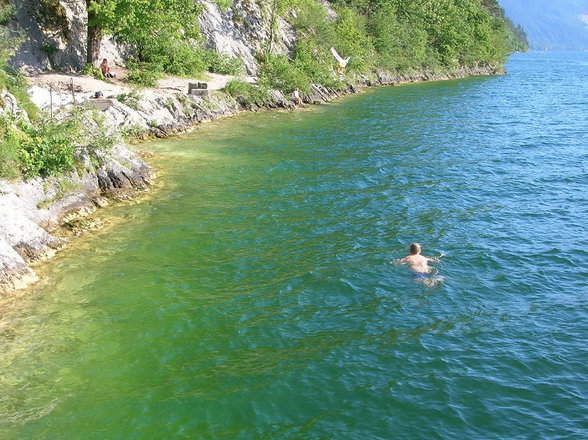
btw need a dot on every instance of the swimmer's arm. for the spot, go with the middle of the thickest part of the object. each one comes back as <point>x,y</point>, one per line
<point>399,261</point>
<point>434,259</point>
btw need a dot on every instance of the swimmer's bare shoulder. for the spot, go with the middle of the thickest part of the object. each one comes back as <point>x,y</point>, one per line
<point>415,260</point>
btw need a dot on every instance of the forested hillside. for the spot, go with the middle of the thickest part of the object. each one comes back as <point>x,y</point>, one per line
<point>395,35</point>
<point>551,25</point>
<point>172,36</point>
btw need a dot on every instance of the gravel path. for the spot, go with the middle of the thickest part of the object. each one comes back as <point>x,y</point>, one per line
<point>54,90</point>
<point>115,86</point>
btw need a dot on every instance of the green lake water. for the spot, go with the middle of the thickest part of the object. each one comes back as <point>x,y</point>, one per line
<point>251,296</point>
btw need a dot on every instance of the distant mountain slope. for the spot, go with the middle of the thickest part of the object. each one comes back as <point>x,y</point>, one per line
<point>554,25</point>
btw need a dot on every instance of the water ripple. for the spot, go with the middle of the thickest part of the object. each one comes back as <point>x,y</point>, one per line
<point>254,299</point>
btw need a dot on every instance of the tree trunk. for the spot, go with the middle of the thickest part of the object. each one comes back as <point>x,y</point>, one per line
<point>94,37</point>
<point>273,25</point>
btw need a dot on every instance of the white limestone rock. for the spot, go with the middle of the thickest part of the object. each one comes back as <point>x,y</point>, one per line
<point>243,30</point>
<point>14,271</point>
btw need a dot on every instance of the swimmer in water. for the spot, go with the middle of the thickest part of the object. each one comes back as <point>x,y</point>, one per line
<point>418,263</point>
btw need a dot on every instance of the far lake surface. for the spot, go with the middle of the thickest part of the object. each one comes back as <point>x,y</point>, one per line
<point>251,297</point>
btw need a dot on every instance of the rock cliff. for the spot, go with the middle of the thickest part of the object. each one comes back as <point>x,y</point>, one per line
<point>241,30</point>
<point>55,34</point>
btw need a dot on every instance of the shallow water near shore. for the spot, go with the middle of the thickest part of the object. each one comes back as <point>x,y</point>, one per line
<point>252,297</point>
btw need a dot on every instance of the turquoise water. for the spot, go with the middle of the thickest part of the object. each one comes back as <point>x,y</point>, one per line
<point>251,297</point>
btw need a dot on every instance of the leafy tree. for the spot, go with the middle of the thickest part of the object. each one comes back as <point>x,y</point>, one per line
<point>353,40</point>
<point>149,25</point>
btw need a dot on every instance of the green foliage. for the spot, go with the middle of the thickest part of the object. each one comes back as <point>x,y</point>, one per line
<point>175,57</point>
<point>517,37</point>
<point>17,85</point>
<point>6,13</point>
<point>47,148</point>
<point>401,35</point>
<point>11,79</point>
<point>165,34</point>
<point>312,61</point>
<point>223,64</point>
<point>224,4</point>
<point>90,70</point>
<point>315,63</point>
<point>276,9</point>
<point>237,87</point>
<point>9,163</point>
<point>130,134</point>
<point>277,72</point>
<point>179,58</point>
<point>130,99</point>
<point>352,40</point>
<point>246,93</point>
<point>396,35</point>
<point>40,147</point>
<point>143,75</point>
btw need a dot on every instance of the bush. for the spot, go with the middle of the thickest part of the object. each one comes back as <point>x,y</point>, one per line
<point>223,64</point>
<point>10,78</point>
<point>47,148</point>
<point>353,40</point>
<point>276,72</point>
<point>6,13</point>
<point>173,56</point>
<point>224,5</point>
<point>90,70</point>
<point>144,77</point>
<point>130,99</point>
<point>316,63</point>
<point>246,93</point>
<point>17,85</point>
<point>182,59</point>
<point>51,147</point>
<point>9,163</point>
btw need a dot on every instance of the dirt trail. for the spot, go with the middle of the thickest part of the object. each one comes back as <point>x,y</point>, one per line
<point>88,84</point>
<point>51,91</point>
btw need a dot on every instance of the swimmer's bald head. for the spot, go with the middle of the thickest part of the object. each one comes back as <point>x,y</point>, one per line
<point>415,249</point>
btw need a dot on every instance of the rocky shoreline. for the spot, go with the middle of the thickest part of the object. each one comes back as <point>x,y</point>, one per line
<point>32,212</point>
